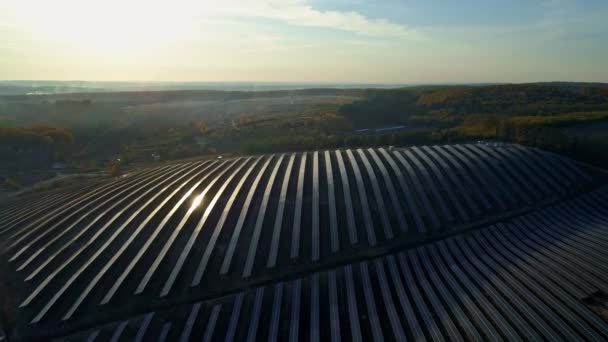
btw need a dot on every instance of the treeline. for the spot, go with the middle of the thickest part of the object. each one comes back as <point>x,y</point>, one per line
<point>546,132</point>
<point>543,132</point>
<point>382,109</point>
<point>35,134</point>
<point>393,107</point>
<point>524,99</point>
<point>529,114</point>
<point>301,142</point>
<point>34,146</point>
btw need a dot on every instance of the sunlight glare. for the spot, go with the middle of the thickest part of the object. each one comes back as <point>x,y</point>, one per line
<point>115,26</point>
<point>197,201</point>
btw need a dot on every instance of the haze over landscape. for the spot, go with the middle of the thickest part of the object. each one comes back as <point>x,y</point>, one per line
<point>338,41</point>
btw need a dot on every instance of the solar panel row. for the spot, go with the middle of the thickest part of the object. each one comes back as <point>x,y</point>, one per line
<point>203,229</point>
<point>513,281</point>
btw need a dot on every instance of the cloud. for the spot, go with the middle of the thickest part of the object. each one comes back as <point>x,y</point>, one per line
<point>291,12</point>
<point>299,13</point>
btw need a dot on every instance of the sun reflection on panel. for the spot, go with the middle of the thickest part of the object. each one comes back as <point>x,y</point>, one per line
<point>197,201</point>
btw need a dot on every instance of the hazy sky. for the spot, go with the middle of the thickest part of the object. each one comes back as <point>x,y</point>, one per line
<point>381,41</point>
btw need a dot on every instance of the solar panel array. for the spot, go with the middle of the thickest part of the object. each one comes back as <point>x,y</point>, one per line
<point>207,229</point>
<point>519,280</point>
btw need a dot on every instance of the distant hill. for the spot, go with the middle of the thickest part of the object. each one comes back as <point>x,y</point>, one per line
<point>133,125</point>
<point>518,99</point>
<point>62,87</point>
<point>382,107</point>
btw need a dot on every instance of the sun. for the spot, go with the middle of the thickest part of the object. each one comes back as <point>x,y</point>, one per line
<point>111,26</point>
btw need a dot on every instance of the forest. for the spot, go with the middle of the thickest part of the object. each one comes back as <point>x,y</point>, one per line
<point>97,131</point>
